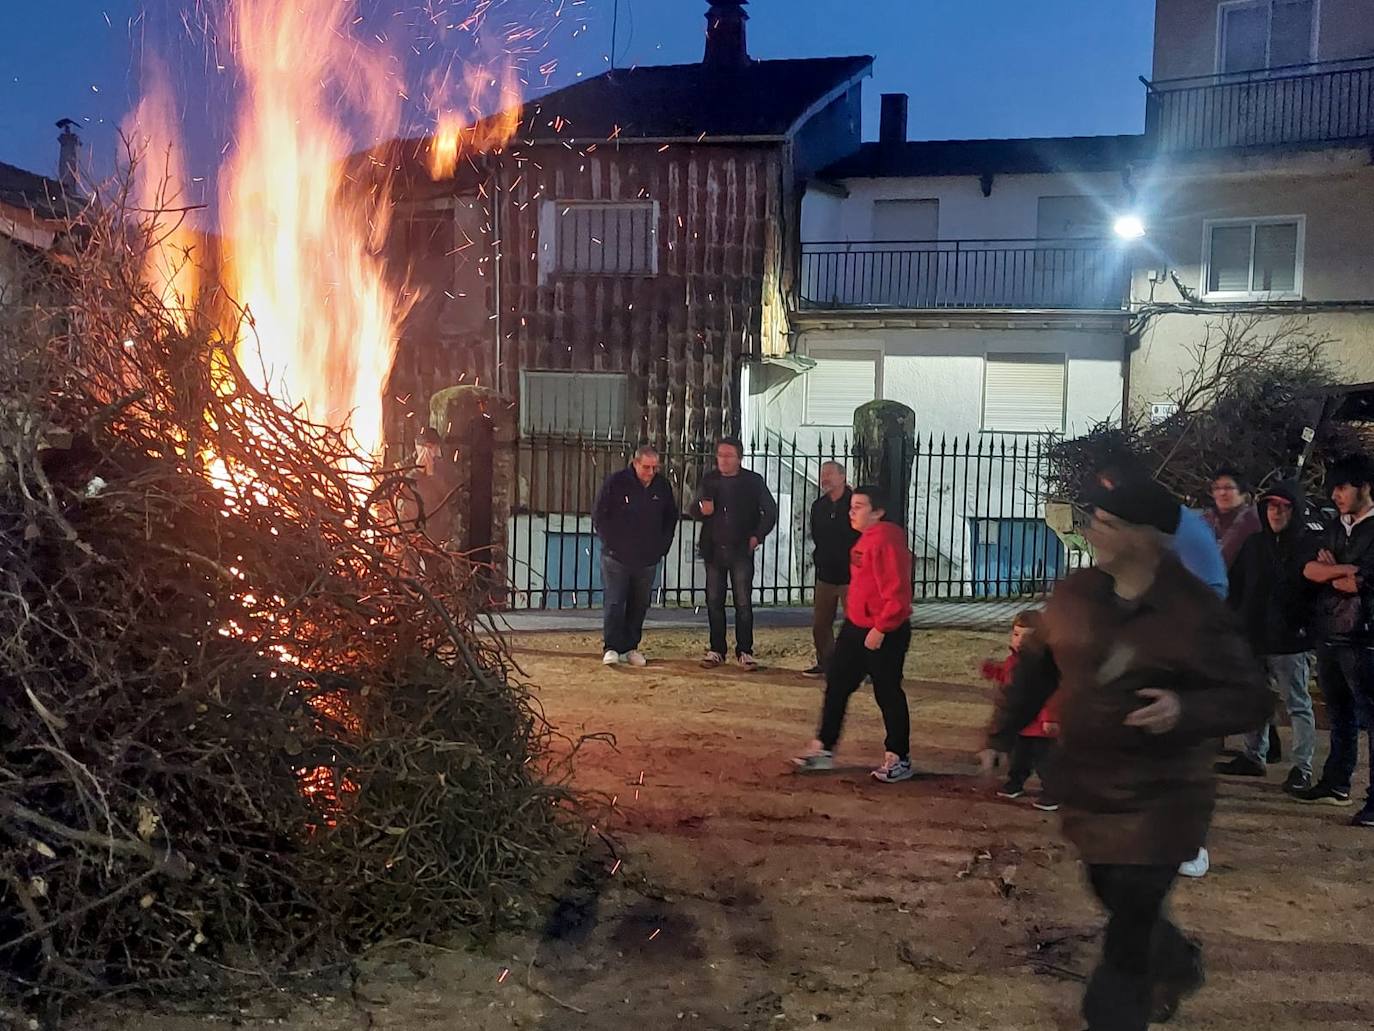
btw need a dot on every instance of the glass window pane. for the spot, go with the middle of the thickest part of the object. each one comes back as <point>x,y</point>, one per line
<point>1228,266</point>
<point>1290,40</point>
<point>1243,36</point>
<point>1276,257</point>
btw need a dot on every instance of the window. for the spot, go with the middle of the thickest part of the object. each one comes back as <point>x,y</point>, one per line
<point>574,402</point>
<point>1024,393</point>
<point>1247,259</point>
<point>906,220</point>
<point>1257,34</point>
<point>844,378</point>
<point>596,238</point>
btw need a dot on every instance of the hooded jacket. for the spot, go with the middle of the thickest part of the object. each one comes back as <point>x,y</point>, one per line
<point>1268,591</point>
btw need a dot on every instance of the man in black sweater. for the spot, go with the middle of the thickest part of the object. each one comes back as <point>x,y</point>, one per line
<point>1274,601</point>
<point>635,517</point>
<point>1345,624</point>
<point>833,536</point>
<point>737,513</point>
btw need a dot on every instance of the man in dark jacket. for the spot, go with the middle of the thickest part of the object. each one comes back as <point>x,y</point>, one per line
<point>1274,602</point>
<point>833,536</point>
<point>1151,667</point>
<point>737,513</point>
<point>635,517</point>
<point>1344,569</point>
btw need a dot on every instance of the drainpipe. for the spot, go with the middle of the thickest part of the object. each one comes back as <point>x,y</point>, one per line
<point>496,201</point>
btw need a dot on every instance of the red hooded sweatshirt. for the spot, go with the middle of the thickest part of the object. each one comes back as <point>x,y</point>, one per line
<point>879,579</point>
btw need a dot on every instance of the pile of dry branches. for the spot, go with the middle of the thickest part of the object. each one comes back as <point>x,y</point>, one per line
<point>1242,402</point>
<point>249,723</point>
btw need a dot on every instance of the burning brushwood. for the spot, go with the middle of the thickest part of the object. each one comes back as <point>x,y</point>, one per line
<point>239,733</point>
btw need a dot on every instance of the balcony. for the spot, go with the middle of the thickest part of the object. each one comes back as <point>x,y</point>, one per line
<point>923,274</point>
<point>1300,105</point>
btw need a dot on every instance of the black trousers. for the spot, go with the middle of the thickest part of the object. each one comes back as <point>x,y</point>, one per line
<point>1028,756</point>
<point>849,664</point>
<point>1143,950</point>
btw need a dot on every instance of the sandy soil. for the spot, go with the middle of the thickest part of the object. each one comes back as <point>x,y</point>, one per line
<point>748,897</point>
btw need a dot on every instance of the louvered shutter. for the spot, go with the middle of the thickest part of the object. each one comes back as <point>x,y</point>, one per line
<point>841,381</point>
<point>1024,393</point>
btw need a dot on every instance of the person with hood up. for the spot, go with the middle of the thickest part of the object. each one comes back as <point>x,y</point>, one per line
<point>1274,601</point>
<point>1151,667</point>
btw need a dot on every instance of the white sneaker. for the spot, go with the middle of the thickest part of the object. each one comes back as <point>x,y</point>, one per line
<point>1196,867</point>
<point>815,759</point>
<point>636,658</point>
<point>610,659</point>
<point>893,769</point>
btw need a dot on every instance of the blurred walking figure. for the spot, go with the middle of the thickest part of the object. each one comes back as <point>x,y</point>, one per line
<point>1151,667</point>
<point>833,536</point>
<point>635,517</point>
<point>1031,753</point>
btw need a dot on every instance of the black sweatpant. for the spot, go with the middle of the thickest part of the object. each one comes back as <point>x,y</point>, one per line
<point>849,664</point>
<point>1028,756</point>
<point>1142,949</point>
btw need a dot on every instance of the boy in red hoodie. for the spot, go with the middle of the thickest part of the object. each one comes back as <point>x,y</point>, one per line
<point>1033,746</point>
<point>873,641</point>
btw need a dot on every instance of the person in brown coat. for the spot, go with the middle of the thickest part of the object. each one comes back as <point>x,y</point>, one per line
<point>1151,667</point>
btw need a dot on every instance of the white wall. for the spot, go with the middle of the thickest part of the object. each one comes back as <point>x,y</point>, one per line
<point>965,214</point>
<point>939,374</point>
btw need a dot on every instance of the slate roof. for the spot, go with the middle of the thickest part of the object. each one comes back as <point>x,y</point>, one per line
<point>32,192</point>
<point>975,157</point>
<point>682,101</point>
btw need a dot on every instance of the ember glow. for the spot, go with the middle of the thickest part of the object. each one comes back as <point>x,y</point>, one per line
<point>304,229</point>
<point>461,131</point>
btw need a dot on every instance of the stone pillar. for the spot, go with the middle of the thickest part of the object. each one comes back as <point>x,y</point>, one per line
<point>885,450</point>
<point>479,430</point>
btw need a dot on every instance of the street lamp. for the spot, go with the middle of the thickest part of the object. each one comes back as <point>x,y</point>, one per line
<point>1129,227</point>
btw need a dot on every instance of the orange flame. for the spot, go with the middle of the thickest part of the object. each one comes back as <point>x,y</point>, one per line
<point>160,193</point>
<point>458,131</point>
<point>303,229</point>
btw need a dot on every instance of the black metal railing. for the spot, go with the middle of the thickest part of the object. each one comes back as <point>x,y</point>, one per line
<point>974,516</point>
<point>1300,104</point>
<point>1018,274</point>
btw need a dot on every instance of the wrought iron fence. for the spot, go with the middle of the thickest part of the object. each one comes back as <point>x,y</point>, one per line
<point>1069,274</point>
<point>974,515</point>
<point>1302,104</point>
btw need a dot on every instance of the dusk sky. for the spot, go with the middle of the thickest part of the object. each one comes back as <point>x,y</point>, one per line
<point>973,68</point>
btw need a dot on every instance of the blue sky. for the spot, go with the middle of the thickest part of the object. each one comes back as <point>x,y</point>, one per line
<point>973,68</point>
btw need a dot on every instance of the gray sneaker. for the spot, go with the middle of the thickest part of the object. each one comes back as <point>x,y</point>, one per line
<point>814,760</point>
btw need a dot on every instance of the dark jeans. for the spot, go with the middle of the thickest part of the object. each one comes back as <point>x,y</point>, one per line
<point>1346,678</point>
<point>1142,950</point>
<point>1028,756</point>
<point>740,575</point>
<point>849,664</point>
<point>628,593</point>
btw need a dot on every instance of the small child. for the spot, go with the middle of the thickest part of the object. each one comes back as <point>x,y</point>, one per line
<point>1034,744</point>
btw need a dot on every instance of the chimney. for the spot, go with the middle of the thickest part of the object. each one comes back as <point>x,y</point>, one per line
<point>726,45</point>
<point>69,157</point>
<point>892,122</point>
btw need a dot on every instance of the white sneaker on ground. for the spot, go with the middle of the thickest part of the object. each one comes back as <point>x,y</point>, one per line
<point>610,658</point>
<point>1196,867</point>
<point>893,769</point>
<point>815,759</point>
<point>747,662</point>
<point>636,658</point>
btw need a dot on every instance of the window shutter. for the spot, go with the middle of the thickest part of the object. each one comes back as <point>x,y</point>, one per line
<point>1024,393</point>
<point>1290,33</point>
<point>601,238</point>
<point>841,381</point>
<point>573,402</point>
<point>1276,257</point>
<point>1229,261</point>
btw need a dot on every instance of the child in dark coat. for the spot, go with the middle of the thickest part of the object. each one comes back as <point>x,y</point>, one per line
<point>1034,744</point>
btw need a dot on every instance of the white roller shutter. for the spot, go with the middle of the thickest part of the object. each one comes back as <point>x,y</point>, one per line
<point>843,379</point>
<point>1024,393</point>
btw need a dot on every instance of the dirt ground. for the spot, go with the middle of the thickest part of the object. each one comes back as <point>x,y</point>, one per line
<point>748,897</point>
